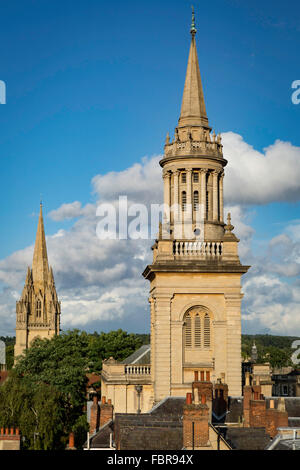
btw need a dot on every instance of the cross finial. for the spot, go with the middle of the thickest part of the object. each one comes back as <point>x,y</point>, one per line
<point>193,28</point>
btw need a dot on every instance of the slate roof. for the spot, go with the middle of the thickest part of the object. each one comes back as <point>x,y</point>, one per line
<point>140,356</point>
<point>247,438</point>
<point>101,440</point>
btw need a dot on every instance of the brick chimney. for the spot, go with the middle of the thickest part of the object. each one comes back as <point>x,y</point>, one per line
<point>220,399</point>
<point>195,423</point>
<point>10,439</point>
<point>95,415</point>
<point>251,392</point>
<point>203,387</point>
<point>276,418</point>
<point>106,411</point>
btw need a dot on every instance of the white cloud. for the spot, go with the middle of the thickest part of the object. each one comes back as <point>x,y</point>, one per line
<point>100,281</point>
<point>253,177</point>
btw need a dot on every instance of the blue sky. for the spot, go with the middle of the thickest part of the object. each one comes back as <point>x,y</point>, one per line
<point>94,86</point>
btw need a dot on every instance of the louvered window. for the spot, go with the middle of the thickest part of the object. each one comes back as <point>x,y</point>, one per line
<point>188,331</point>
<point>196,200</point>
<point>183,177</point>
<point>206,331</point>
<point>197,331</point>
<point>183,201</point>
<point>196,177</point>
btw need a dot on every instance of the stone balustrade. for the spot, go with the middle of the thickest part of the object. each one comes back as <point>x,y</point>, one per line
<point>137,370</point>
<point>197,248</point>
<point>211,148</point>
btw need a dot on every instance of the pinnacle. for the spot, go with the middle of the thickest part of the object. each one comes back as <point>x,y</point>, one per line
<point>40,268</point>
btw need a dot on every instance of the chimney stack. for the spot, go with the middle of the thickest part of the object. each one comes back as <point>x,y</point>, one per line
<point>95,415</point>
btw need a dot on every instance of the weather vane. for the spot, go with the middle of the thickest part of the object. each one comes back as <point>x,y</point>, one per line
<point>193,28</point>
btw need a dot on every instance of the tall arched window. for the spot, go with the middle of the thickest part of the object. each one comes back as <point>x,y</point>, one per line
<point>196,200</point>
<point>206,331</point>
<point>183,201</point>
<point>197,329</point>
<point>38,309</point>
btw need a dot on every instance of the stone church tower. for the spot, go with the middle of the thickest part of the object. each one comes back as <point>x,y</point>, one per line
<point>195,277</point>
<point>38,310</point>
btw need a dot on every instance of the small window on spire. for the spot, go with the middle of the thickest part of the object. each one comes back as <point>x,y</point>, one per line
<point>196,200</point>
<point>183,201</point>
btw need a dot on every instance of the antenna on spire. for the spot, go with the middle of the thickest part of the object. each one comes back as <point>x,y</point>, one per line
<point>193,28</point>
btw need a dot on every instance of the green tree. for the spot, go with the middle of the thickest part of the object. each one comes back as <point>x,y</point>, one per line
<point>62,363</point>
<point>117,344</point>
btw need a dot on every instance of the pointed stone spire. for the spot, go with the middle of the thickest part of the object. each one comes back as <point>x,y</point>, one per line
<point>193,111</point>
<point>40,268</point>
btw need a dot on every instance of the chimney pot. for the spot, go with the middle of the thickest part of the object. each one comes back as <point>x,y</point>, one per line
<point>12,431</point>
<point>6,431</point>
<point>203,399</point>
<point>71,440</point>
<point>95,399</point>
<point>208,376</point>
<point>17,431</point>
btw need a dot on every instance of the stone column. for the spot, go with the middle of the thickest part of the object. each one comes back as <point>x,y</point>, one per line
<point>162,345</point>
<point>221,197</point>
<point>167,199</point>
<point>234,335</point>
<point>203,192</point>
<point>188,218</point>
<point>176,196</point>
<point>215,195</point>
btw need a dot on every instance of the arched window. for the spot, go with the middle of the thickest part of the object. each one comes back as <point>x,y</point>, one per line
<point>196,200</point>
<point>197,331</point>
<point>188,331</point>
<point>206,331</point>
<point>183,201</point>
<point>38,309</point>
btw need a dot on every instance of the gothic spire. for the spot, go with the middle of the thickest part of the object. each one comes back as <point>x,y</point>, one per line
<point>40,268</point>
<point>193,112</point>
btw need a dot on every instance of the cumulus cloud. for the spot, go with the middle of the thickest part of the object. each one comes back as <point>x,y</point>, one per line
<point>253,177</point>
<point>99,281</point>
<point>71,211</point>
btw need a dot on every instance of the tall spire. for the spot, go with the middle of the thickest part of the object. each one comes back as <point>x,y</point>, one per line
<point>193,112</point>
<point>40,268</point>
